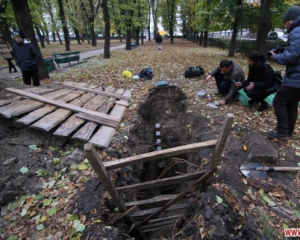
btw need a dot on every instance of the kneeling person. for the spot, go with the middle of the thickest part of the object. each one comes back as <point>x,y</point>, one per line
<point>226,75</point>
<point>260,78</point>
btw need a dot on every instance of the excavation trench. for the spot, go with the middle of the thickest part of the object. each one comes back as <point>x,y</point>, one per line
<point>167,123</point>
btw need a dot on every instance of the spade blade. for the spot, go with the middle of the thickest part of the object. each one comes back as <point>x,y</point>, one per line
<point>249,170</point>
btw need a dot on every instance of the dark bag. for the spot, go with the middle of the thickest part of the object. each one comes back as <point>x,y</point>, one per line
<point>277,81</point>
<point>194,72</point>
<point>146,74</point>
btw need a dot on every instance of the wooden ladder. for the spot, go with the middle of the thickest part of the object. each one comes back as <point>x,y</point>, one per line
<point>147,220</point>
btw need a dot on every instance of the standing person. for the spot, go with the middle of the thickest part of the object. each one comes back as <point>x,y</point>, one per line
<point>226,75</point>
<point>260,78</point>
<point>158,40</point>
<point>288,95</point>
<point>6,52</point>
<point>27,58</point>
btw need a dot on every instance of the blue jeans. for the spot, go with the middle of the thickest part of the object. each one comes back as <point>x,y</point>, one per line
<point>222,84</point>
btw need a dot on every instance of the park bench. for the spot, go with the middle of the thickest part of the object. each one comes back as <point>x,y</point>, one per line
<point>66,57</point>
<point>134,44</point>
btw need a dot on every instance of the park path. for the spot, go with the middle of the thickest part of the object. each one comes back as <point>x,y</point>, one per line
<point>4,74</point>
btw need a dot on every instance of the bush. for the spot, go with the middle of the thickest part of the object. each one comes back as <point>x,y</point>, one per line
<point>242,45</point>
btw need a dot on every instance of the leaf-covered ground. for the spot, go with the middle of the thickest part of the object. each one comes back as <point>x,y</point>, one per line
<point>49,215</point>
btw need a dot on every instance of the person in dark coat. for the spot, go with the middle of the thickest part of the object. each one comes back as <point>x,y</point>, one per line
<point>158,40</point>
<point>6,52</point>
<point>27,58</point>
<point>260,78</point>
<point>286,100</point>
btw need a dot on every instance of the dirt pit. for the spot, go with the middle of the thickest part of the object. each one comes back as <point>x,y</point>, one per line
<point>167,107</point>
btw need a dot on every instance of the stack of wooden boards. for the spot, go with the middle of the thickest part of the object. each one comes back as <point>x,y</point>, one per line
<point>88,113</point>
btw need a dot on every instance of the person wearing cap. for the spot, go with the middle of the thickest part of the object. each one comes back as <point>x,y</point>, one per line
<point>287,98</point>
<point>6,52</point>
<point>27,58</point>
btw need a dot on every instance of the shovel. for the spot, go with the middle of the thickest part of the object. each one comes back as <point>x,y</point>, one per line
<point>257,170</point>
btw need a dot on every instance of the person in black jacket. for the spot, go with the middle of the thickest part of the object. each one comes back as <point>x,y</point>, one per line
<point>158,40</point>
<point>260,78</point>
<point>27,58</point>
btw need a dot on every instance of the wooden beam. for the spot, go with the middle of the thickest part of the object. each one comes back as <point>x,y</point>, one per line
<point>222,139</point>
<point>159,154</point>
<point>161,182</point>
<point>96,163</point>
<point>98,92</point>
<point>157,200</point>
<point>191,189</point>
<point>161,222</point>
<point>97,119</point>
<point>101,118</point>
<point>143,213</point>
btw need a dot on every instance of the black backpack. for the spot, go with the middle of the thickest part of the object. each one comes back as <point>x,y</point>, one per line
<point>146,74</point>
<point>194,72</point>
<point>277,81</point>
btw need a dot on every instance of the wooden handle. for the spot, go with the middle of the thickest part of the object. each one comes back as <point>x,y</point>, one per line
<point>271,169</point>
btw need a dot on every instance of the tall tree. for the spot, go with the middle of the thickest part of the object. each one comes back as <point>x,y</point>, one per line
<point>91,12</point>
<point>237,17</point>
<point>106,29</point>
<point>4,23</point>
<point>264,25</point>
<point>64,25</point>
<point>23,18</point>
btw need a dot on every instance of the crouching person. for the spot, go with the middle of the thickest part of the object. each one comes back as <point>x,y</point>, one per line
<point>260,79</point>
<point>226,75</point>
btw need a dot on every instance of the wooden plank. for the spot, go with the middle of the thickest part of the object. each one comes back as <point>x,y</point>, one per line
<point>85,132</point>
<point>101,118</point>
<point>161,182</point>
<point>53,119</point>
<point>28,105</point>
<point>222,139</point>
<point>40,90</point>
<point>160,222</point>
<point>98,92</point>
<point>143,213</point>
<point>81,84</point>
<point>158,200</point>
<point>72,123</point>
<point>104,135</point>
<point>97,164</point>
<point>159,154</point>
<point>39,113</point>
<point>8,101</point>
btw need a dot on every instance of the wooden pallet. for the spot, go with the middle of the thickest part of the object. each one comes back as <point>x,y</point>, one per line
<point>87,113</point>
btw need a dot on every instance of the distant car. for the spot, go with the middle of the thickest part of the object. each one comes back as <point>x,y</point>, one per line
<point>100,35</point>
<point>277,36</point>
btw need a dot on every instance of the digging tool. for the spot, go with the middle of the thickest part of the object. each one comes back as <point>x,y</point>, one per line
<point>257,170</point>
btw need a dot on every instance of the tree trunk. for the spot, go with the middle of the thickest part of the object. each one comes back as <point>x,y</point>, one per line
<point>41,37</point>
<point>128,39</point>
<point>77,35</point>
<point>237,18</point>
<point>64,24</point>
<point>137,36</point>
<point>264,25</point>
<point>205,39</point>
<point>24,22</point>
<point>106,19</point>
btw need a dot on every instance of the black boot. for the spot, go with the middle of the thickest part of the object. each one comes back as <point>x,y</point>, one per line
<point>263,106</point>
